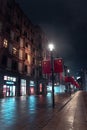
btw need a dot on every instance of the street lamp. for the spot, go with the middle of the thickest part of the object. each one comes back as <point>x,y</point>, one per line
<point>68,71</point>
<point>51,48</point>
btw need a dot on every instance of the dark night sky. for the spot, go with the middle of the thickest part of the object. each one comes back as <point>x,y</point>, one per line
<point>65,23</point>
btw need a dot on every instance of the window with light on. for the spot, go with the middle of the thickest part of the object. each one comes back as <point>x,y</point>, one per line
<point>5,43</point>
<point>14,50</point>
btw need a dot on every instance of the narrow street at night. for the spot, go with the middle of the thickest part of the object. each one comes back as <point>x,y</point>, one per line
<point>36,112</point>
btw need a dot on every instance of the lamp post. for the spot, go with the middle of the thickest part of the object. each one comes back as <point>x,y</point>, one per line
<point>51,48</point>
<point>68,71</point>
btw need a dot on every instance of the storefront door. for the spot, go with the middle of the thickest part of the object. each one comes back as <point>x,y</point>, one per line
<point>8,90</point>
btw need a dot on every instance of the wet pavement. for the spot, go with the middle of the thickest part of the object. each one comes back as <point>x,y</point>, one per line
<point>72,117</point>
<point>36,112</point>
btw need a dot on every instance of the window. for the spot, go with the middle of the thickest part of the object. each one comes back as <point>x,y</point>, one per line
<point>14,50</point>
<point>12,35</point>
<point>32,40</point>
<point>4,60</point>
<point>21,42</point>
<point>29,59</point>
<point>10,48</point>
<point>29,47</point>
<point>20,67</point>
<point>33,72</point>
<point>25,68</point>
<point>5,43</point>
<point>14,65</point>
<point>9,62</point>
<point>40,63</point>
<point>40,71</point>
<point>33,60</point>
<point>0,26</point>
<point>26,56</point>
<point>17,38</point>
<point>25,34</point>
<point>39,46</point>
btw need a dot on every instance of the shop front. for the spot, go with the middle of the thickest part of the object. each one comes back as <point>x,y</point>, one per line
<point>23,87</point>
<point>57,89</point>
<point>9,86</point>
<point>41,88</point>
<point>32,87</point>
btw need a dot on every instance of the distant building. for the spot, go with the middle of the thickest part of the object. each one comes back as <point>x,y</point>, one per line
<point>83,79</point>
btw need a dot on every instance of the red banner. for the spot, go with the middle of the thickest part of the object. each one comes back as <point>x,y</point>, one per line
<point>72,81</point>
<point>46,66</point>
<point>69,79</point>
<point>58,65</point>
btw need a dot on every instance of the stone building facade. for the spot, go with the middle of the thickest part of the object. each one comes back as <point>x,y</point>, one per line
<point>21,52</point>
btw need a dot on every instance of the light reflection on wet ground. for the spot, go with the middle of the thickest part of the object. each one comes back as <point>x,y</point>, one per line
<point>14,111</point>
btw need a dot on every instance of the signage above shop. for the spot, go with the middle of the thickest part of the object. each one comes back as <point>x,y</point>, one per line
<point>32,83</point>
<point>8,82</point>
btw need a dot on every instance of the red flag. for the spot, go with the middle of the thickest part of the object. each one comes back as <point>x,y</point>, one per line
<point>46,66</point>
<point>72,81</point>
<point>66,79</point>
<point>58,65</point>
<point>76,84</point>
<point>69,79</point>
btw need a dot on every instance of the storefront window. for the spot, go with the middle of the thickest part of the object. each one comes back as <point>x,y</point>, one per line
<point>32,87</point>
<point>9,86</point>
<point>23,87</point>
<point>40,87</point>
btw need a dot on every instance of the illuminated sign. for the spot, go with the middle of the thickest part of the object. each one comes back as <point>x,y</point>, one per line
<point>8,82</point>
<point>8,78</point>
<point>32,83</point>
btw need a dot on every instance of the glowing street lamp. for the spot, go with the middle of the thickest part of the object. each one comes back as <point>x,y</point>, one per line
<point>51,48</point>
<point>68,71</point>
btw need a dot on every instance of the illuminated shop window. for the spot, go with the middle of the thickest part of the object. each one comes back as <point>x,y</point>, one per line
<point>23,82</point>
<point>14,50</point>
<point>40,87</point>
<point>31,90</point>
<point>23,87</point>
<point>9,86</point>
<point>5,43</point>
<point>14,90</point>
<point>4,86</point>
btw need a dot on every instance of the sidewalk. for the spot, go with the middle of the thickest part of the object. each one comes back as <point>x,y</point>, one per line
<point>72,117</point>
<point>63,100</point>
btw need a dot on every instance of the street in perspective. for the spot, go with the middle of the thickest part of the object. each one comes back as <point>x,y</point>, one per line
<point>37,113</point>
<point>43,64</point>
